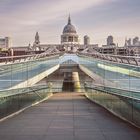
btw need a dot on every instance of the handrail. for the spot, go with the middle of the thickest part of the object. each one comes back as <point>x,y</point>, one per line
<point>110,55</point>
<point>25,58</point>
<point>130,60</point>
<point>22,90</point>
<point>124,89</point>
<point>21,56</point>
<point>115,93</point>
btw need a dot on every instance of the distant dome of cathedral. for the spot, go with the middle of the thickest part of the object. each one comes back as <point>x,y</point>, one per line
<point>69,35</point>
<point>69,28</point>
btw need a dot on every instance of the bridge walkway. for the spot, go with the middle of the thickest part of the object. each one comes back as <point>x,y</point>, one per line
<point>67,117</point>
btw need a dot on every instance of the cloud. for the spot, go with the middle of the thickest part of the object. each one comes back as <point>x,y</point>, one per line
<point>43,10</point>
<point>18,15</point>
<point>22,18</point>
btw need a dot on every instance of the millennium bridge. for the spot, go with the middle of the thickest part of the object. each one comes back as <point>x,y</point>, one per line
<point>73,96</point>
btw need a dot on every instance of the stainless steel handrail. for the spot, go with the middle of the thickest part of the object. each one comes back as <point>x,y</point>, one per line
<point>130,60</point>
<point>114,93</point>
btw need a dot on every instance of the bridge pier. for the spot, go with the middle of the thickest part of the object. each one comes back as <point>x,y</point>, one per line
<point>68,84</point>
<point>71,82</point>
<point>76,81</point>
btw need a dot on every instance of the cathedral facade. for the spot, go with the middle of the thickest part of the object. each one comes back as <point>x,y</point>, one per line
<point>69,40</point>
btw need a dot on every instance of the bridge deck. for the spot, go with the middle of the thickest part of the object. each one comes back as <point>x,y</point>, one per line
<point>67,117</point>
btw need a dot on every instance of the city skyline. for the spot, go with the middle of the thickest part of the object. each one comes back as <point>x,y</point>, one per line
<point>20,19</point>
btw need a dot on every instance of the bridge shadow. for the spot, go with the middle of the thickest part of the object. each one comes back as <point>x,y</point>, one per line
<point>68,86</point>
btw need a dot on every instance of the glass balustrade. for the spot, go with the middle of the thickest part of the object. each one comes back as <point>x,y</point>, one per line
<point>18,72</point>
<point>16,99</point>
<point>125,104</point>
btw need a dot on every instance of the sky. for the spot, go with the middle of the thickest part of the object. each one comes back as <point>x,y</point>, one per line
<point>21,19</point>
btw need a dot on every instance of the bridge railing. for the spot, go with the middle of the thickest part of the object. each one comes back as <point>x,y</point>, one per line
<point>25,58</point>
<point>13,74</point>
<point>131,60</point>
<point>123,103</point>
<point>15,100</point>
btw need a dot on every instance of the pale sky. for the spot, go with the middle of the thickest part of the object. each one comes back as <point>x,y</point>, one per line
<point>20,19</point>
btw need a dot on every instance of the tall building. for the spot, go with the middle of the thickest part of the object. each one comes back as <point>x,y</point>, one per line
<point>37,39</point>
<point>110,41</point>
<point>5,42</point>
<point>69,35</point>
<point>36,45</point>
<point>136,41</point>
<point>86,40</point>
<point>128,42</point>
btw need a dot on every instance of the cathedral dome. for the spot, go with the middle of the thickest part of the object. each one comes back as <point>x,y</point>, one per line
<point>69,28</point>
<point>69,35</point>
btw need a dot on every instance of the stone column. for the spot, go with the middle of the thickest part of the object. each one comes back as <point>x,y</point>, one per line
<point>67,39</point>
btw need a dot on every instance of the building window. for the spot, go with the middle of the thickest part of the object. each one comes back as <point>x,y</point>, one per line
<point>70,39</point>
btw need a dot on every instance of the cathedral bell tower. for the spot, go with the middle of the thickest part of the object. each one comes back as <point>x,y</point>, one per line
<point>36,45</point>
